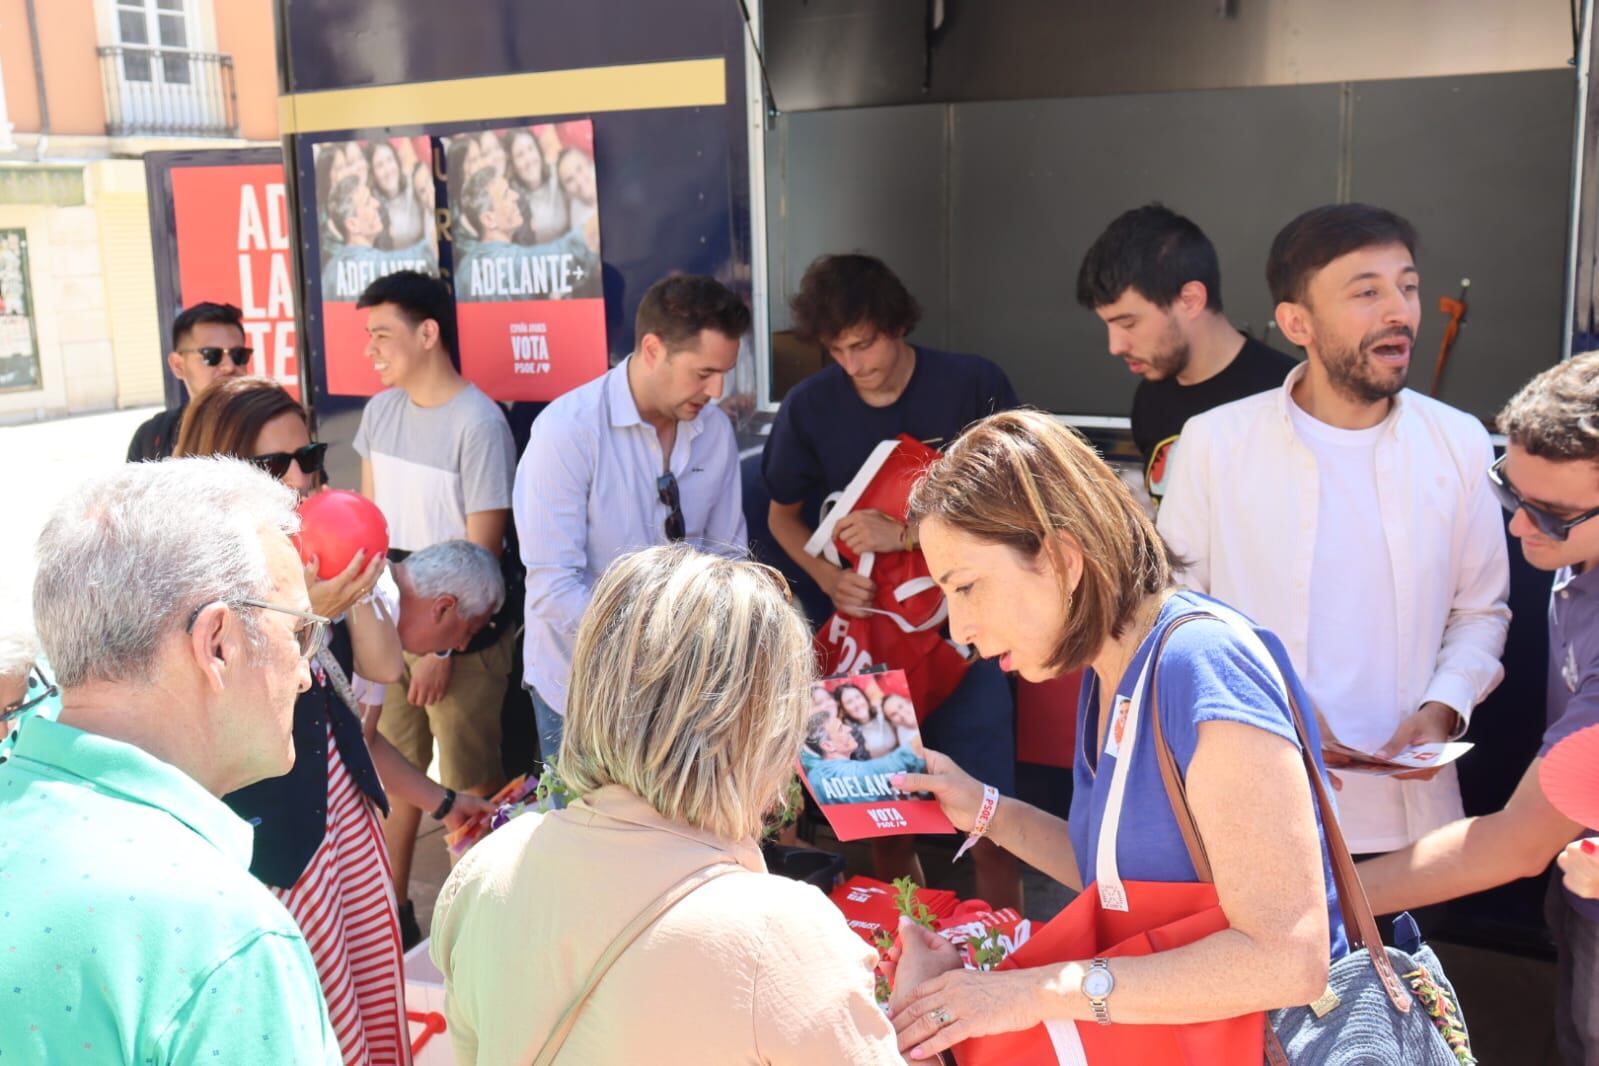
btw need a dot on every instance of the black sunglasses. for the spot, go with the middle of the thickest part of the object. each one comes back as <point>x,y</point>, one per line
<point>39,690</point>
<point>666,491</point>
<point>213,356</point>
<point>277,463</point>
<point>1551,525</point>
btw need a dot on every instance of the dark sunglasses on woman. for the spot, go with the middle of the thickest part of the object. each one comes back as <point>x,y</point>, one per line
<point>277,463</point>
<point>1552,525</point>
<point>213,356</point>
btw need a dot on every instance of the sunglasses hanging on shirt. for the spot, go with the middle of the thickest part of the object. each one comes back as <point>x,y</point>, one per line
<point>666,492</point>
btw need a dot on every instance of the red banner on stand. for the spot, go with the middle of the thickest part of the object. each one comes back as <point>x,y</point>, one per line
<point>532,350</point>
<point>233,247</point>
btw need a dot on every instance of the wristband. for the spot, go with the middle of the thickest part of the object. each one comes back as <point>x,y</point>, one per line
<point>909,541</point>
<point>443,810</point>
<point>985,815</point>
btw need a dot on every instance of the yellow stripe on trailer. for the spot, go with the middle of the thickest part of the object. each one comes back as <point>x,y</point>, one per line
<point>633,87</point>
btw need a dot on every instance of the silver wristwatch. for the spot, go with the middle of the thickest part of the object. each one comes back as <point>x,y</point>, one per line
<point>1098,984</point>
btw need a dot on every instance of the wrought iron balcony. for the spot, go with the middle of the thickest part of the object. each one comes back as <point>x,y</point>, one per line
<point>168,92</point>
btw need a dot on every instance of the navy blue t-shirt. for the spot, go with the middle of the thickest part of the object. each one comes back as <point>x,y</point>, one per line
<point>1208,673</point>
<point>824,431</point>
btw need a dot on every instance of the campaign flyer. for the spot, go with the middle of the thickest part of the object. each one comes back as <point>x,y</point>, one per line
<point>232,227</point>
<point>375,216</point>
<point>861,731</point>
<point>525,228</point>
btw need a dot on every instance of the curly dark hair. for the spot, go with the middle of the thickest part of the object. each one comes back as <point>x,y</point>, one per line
<point>841,292</point>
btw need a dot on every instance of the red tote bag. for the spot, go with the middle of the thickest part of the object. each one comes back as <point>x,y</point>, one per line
<point>1160,916</point>
<point>903,629</point>
<point>1113,918</point>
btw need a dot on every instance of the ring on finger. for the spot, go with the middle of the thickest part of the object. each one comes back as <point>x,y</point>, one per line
<point>941,1017</point>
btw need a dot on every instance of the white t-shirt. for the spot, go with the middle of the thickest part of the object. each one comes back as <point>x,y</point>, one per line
<point>1353,653</point>
<point>387,596</point>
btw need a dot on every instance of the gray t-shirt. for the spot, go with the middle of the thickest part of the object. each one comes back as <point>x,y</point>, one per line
<point>433,466</point>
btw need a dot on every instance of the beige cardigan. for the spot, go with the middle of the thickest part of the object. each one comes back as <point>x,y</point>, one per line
<point>751,968</point>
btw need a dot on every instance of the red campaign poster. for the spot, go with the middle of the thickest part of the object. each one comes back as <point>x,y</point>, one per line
<point>524,223</point>
<point>860,732</point>
<point>375,215</point>
<point>233,247</point>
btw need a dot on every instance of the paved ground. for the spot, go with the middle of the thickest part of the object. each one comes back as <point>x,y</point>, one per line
<point>1507,998</point>
<point>42,461</point>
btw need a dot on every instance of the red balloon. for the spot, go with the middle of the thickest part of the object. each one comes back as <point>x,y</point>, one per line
<point>336,524</point>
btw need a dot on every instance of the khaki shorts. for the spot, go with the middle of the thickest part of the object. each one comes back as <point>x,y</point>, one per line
<point>466,722</point>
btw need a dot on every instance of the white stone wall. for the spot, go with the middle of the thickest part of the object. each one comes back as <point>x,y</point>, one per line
<point>95,319</point>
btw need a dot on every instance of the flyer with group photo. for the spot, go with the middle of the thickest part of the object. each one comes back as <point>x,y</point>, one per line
<point>861,731</point>
<point>375,216</point>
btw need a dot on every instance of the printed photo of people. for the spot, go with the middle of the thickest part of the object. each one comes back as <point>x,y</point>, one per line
<point>524,213</point>
<point>859,732</point>
<point>375,212</point>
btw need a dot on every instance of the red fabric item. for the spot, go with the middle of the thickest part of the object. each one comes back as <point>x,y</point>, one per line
<point>344,904</point>
<point>1161,916</point>
<point>933,668</point>
<point>1046,720</point>
<point>1568,779</point>
<point>883,483</point>
<point>868,905</point>
<point>847,645</point>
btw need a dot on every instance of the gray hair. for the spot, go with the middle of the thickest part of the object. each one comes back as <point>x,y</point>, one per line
<point>18,651</point>
<point>469,572</point>
<point>130,557</point>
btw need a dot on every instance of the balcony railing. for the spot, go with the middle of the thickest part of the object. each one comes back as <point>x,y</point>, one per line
<point>168,92</point>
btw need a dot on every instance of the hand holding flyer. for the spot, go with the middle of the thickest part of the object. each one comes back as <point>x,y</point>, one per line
<point>861,731</point>
<point>1416,757</point>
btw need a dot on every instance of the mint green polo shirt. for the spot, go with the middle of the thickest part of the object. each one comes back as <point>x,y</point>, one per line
<point>131,930</point>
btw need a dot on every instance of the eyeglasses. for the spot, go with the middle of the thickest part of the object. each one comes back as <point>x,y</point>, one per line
<point>1551,525</point>
<point>39,690</point>
<point>312,636</point>
<point>666,491</point>
<point>277,463</point>
<point>213,356</point>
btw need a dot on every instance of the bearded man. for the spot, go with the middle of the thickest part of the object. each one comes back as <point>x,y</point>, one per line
<point>1352,517</point>
<point>1154,279</point>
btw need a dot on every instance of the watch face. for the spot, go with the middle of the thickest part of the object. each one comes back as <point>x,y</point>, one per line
<point>1097,984</point>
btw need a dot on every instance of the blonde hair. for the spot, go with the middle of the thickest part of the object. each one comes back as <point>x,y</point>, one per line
<point>690,683</point>
<point>1018,479</point>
